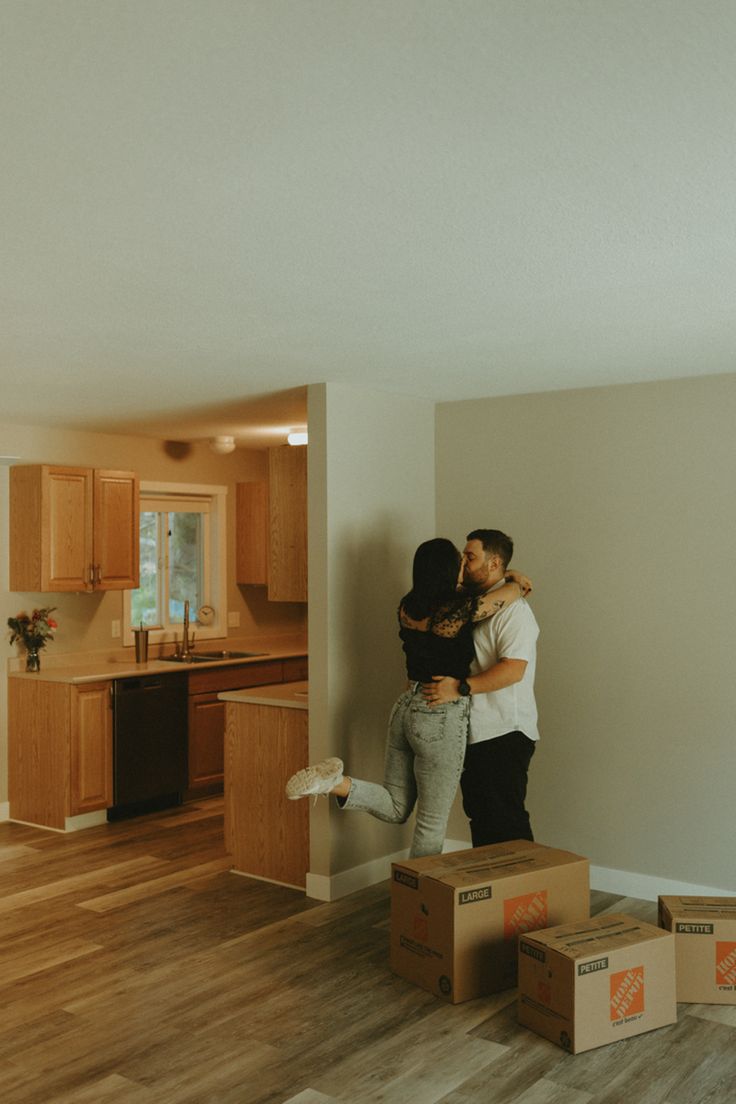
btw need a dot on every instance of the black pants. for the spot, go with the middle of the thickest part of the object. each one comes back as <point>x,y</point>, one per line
<point>494,788</point>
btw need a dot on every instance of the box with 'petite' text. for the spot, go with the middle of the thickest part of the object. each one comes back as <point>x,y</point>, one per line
<point>456,918</point>
<point>585,985</point>
<point>705,947</point>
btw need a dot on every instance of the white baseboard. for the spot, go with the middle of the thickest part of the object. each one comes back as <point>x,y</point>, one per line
<point>85,820</point>
<point>71,824</point>
<point>626,883</point>
<point>325,888</point>
<point>4,810</point>
<point>646,887</point>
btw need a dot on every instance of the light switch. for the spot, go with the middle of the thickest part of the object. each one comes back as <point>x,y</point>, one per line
<point>233,619</point>
<point>116,629</point>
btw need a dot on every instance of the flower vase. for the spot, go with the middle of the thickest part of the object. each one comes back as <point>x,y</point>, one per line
<point>33,660</point>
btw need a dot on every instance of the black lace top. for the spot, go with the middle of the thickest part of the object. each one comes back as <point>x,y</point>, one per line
<point>441,644</point>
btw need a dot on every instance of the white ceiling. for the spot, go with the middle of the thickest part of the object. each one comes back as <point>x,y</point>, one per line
<point>207,201</point>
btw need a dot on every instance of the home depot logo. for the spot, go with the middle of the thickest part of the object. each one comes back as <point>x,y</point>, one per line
<point>523,914</point>
<point>725,963</point>
<point>627,993</point>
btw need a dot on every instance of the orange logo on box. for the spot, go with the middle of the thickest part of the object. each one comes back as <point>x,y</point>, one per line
<point>627,993</point>
<point>421,928</point>
<point>725,963</point>
<point>524,914</point>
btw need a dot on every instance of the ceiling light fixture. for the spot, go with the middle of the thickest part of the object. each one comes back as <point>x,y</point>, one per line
<point>222,445</point>
<point>298,437</point>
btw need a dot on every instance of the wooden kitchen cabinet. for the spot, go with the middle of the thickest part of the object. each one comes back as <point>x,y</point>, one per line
<point>59,750</point>
<point>90,747</point>
<point>207,714</point>
<point>272,527</point>
<point>206,742</point>
<point>251,539</point>
<point>287,514</point>
<point>73,529</point>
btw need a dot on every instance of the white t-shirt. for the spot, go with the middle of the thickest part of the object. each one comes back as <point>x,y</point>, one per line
<point>510,634</point>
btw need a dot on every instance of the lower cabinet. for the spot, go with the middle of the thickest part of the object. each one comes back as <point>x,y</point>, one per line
<point>90,748</point>
<point>60,739</point>
<point>207,714</point>
<point>206,742</point>
<point>59,750</point>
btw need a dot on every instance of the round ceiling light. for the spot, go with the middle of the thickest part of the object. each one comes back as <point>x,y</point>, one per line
<point>222,445</point>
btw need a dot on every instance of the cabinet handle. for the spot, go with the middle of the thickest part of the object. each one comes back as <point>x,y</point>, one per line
<point>98,573</point>
<point>91,574</point>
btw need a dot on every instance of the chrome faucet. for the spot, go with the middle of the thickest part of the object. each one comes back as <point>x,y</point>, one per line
<point>186,651</point>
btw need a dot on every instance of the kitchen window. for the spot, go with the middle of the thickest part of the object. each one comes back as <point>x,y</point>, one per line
<point>182,558</point>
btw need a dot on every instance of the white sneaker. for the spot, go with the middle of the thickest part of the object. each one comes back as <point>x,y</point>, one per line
<point>318,779</point>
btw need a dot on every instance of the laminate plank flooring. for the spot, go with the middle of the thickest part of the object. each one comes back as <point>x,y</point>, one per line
<point>135,969</point>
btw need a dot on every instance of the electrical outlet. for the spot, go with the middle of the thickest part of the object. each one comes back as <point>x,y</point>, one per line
<point>116,630</point>
<point>233,619</point>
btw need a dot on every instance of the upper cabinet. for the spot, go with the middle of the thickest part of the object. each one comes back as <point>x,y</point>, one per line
<point>272,527</point>
<point>251,539</point>
<point>73,529</point>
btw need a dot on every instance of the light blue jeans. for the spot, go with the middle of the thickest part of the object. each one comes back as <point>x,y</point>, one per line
<point>424,760</point>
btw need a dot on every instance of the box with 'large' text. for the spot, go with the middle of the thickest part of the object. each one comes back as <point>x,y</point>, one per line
<point>456,918</point>
<point>585,985</point>
<point>705,947</point>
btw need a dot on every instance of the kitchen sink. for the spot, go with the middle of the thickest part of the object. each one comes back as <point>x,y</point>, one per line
<point>211,657</point>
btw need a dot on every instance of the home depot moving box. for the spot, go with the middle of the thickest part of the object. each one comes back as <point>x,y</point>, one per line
<point>705,946</point>
<point>585,985</point>
<point>456,918</point>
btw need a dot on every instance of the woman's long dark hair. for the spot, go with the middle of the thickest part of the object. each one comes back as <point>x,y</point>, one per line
<point>434,578</point>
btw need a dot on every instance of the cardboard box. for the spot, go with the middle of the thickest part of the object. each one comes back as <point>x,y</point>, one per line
<point>585,985</point>
<point>705,947</point>
<point>456,918</point>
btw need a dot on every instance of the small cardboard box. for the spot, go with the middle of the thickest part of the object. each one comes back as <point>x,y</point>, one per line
<point>585,985</point>
<point>456,918</point>
<point>705,947</point>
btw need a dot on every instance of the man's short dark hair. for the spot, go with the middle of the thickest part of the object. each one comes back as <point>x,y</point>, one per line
<point>494,543</point>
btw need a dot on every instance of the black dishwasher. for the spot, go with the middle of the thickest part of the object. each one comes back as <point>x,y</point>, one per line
<point>150,768</point>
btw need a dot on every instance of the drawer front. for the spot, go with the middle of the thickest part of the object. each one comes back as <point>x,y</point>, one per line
<point>216,679</point>
<point>296,669</point>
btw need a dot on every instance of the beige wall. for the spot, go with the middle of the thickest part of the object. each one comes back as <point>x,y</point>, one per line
<point>85,619</point>
<point>371,501</point>
<point>621,504</point>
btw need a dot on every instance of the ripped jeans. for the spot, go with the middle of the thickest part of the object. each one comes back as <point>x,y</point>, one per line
<point>424,760</point>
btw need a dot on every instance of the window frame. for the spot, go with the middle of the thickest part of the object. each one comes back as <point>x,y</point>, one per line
<point>215,586</point>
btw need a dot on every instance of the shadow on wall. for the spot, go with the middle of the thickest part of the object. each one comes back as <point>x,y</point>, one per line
<point>375,573</point>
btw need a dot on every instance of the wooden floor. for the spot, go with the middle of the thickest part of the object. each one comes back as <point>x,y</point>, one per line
<point>135,969</point>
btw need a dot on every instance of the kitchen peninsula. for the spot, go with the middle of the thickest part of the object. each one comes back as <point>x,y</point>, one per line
<point>266,741</point>
<point>61,755</point>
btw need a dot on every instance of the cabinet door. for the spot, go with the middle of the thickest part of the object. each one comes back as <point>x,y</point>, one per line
<point>296,669</point>
<point>116,530</point>
<point>206,740</point>
<point>287,568</point>
<point>50,528</point>
<point>91,747</point>
<point>251,534</point>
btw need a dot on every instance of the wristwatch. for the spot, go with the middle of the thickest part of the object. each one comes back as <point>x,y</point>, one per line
<point>464,689</point>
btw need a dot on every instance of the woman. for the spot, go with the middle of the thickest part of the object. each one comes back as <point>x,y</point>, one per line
<point>426,745</point>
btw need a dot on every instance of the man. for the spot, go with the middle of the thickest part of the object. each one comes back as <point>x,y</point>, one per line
<point>503,714</point>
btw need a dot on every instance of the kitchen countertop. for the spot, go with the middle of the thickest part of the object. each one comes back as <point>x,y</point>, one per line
<point>91,669</point>
<point>288,695</point>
